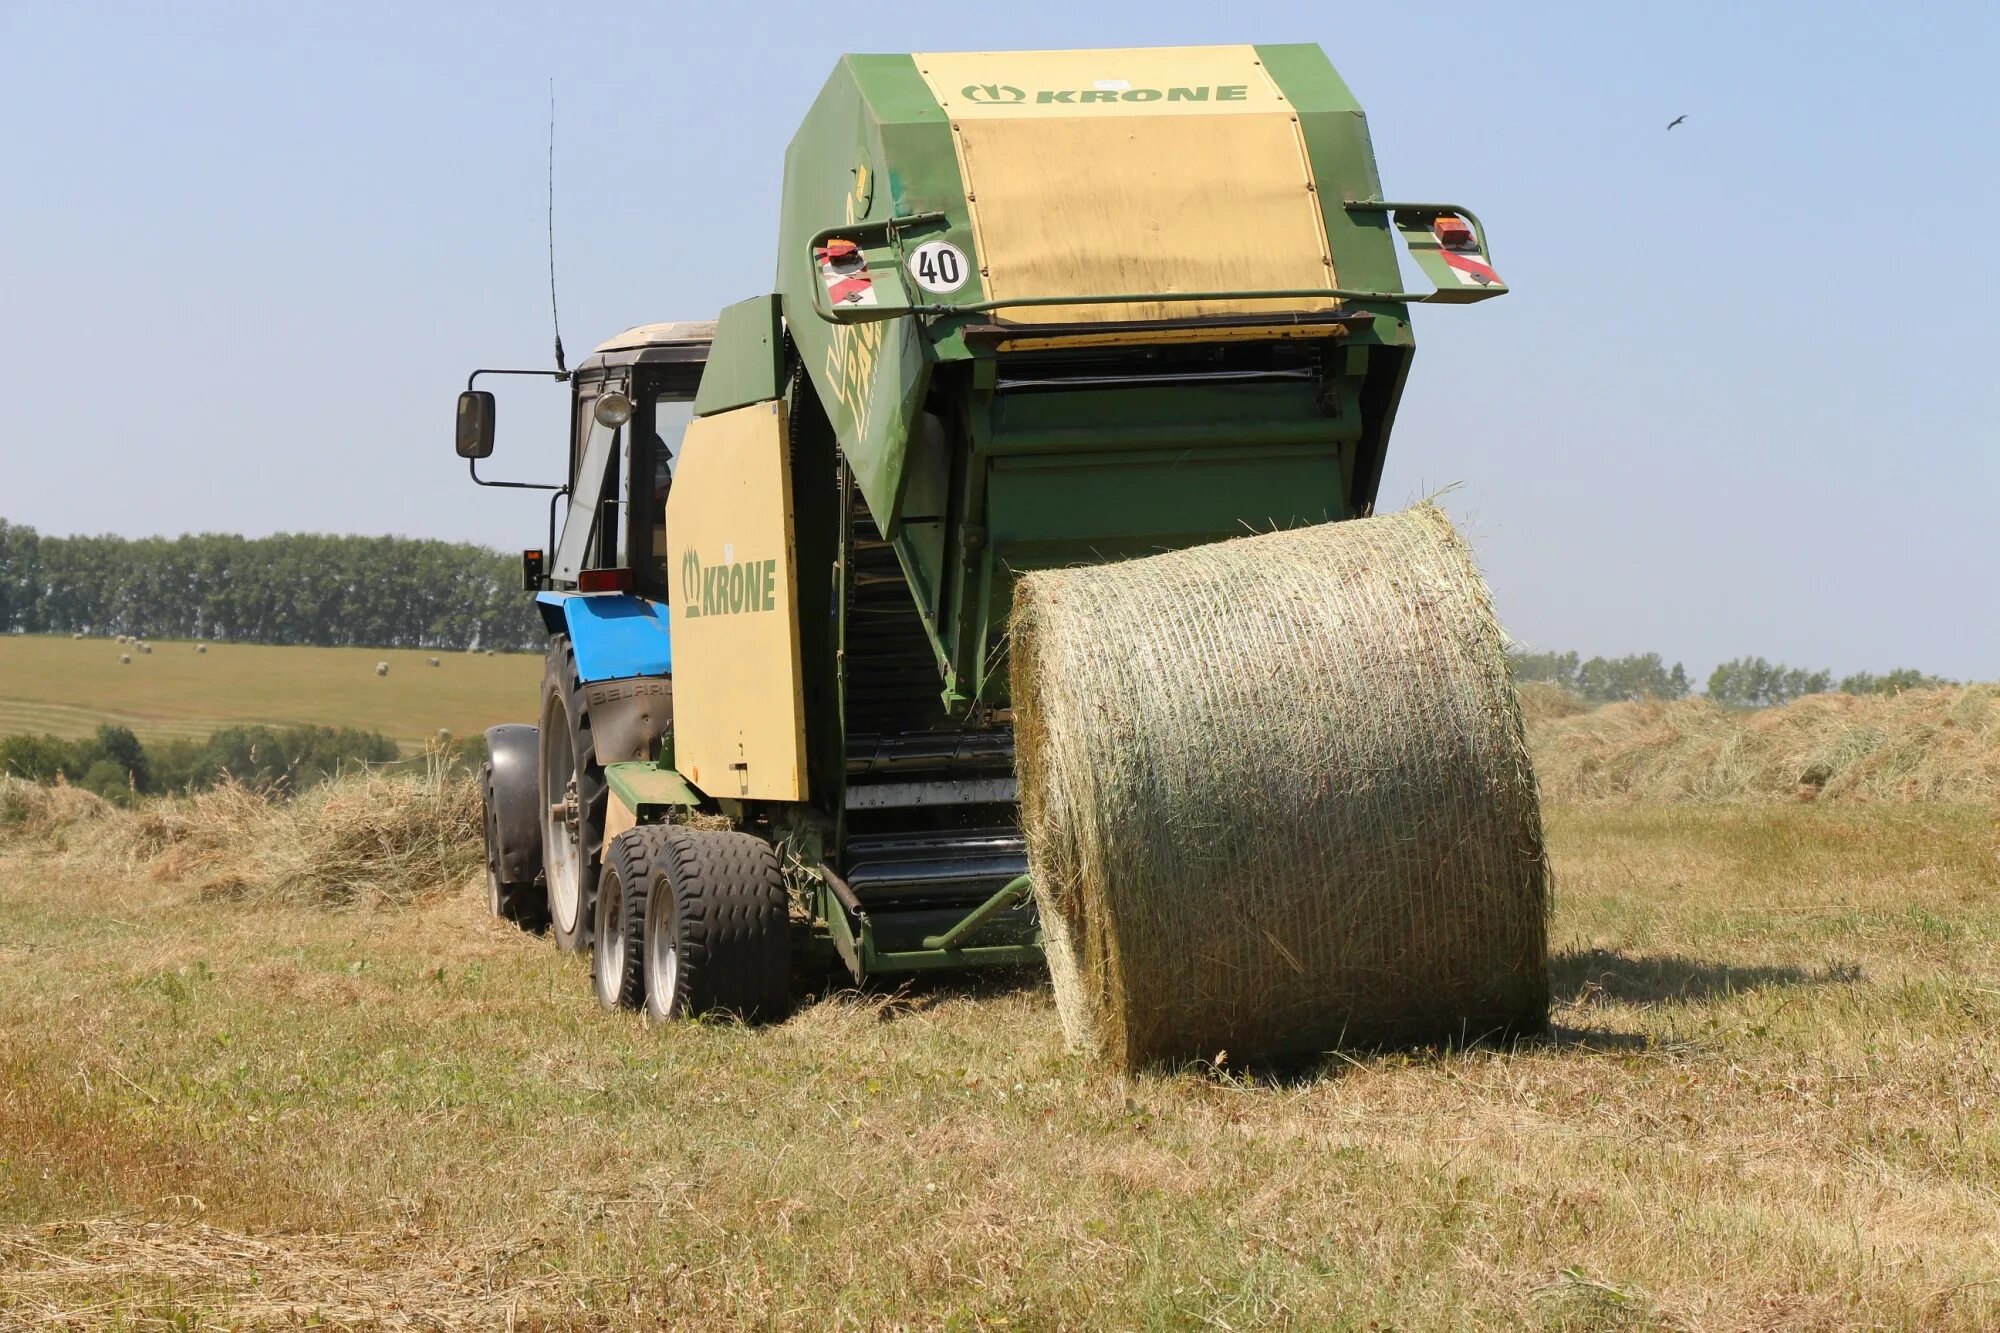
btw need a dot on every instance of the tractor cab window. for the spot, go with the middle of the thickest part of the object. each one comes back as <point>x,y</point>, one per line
<point>669,422</point>
<point>598,452</point>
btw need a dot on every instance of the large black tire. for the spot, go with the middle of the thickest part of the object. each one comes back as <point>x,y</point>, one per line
<point>524,904</point>
<point>635,860</point>
<point>717,934</point>
<point>573,842</point>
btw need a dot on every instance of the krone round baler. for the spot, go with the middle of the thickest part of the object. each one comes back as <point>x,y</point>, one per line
<point>1019,586</point>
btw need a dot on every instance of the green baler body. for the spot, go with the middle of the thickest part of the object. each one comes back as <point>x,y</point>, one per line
<point>988,440</point>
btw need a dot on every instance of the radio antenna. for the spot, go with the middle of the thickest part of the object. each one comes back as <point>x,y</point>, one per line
<point>554,317</point>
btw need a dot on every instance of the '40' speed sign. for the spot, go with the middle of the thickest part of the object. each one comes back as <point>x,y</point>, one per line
<point>939,266</point>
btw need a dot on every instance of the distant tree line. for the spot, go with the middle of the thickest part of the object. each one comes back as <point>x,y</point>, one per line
<point>1743,682</point>
<point>293,588</point>
<point>1605,679</point>
<point>114,765</point>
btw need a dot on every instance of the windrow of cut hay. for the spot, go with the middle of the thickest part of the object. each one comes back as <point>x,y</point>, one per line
<point>1277,796</point>
<point>1921,745</point>
<point>364,837</point>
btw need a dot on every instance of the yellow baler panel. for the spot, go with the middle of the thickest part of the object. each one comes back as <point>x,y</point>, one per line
<point>1186,171</point>
<point>739,704</point>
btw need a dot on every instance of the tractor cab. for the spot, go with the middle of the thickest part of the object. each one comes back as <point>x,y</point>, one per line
<point>630,401</point>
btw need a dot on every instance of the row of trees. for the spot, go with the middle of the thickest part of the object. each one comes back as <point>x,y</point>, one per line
<point>1605,679</point>
<point>115,765</point>
<point>1743,682</point>
<point>378,592</point>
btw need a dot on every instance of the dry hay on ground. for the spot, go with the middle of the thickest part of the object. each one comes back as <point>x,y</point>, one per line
<point>1278,796</point>
<point>1543,702</point>
<point>60,1274</point>
<point>364,837</point>
<point>1921,745</point>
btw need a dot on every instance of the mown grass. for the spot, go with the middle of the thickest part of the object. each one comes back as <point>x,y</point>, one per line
<point>66,687</point>
<point>1770,1101</point>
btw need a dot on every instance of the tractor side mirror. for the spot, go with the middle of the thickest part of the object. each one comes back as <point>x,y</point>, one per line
<point>475,424</point>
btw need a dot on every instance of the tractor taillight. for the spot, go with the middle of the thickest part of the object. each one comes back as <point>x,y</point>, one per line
<point>531,571</point>
<point>1455,234</point>
<point>604,580</point>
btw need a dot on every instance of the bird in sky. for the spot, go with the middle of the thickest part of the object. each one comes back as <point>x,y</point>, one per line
<point>1675,121</point>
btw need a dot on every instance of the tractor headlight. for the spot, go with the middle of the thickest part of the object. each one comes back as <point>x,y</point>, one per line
<point>611,410</point>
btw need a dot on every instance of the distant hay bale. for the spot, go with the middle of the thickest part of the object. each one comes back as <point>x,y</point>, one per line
<point>1278,798</point>
<point>77,635</point>
<point>145,647</point>
<point>489,652</point>
<point>381,668</point>
<point>201,647</point>
<point>433,661</point>
<point>124,659</point>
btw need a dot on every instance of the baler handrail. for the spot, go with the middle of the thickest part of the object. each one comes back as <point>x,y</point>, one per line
<point>890,226</point>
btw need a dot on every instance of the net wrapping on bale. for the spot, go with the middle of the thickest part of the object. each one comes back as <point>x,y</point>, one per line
<point>1278,797</point>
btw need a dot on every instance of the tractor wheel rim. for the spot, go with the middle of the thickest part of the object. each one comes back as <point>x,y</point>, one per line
<point>663,961</point>
<point>559,834</point>
<point>610,939</point>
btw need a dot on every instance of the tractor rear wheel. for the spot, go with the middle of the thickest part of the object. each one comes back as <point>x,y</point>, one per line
<point>631,865</point>
<point>717,934</point>
<point>573,800</point>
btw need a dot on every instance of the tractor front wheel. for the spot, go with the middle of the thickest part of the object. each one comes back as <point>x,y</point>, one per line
<point>526,905</point>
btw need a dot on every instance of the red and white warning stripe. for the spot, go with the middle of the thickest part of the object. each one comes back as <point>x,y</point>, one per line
<point>1470,267</point>
<point>844,270</point>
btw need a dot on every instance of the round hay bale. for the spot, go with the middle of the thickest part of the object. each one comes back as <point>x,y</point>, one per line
<point>201,647</point>
<point>1278,797</point>
<point>433,661</point>
<point>124,659</point>
<point>77,634</point>
<point>381,668</point>
<point>145,647</point>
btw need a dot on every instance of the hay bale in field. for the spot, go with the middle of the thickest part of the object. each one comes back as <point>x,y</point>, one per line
<point>145,647</point>
<point>124,659</point>
<point>381,668</point>
<point>1278,797</point>
<point>433,661</point>
<point>201,647</point>
<point>77,635</point>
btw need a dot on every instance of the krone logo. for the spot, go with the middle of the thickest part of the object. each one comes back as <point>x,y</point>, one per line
<point>691,576</point>
<point>729,589</point>
<point>993,92</point>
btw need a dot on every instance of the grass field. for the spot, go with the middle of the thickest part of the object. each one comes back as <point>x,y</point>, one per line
<point>68,686</point>
<point>1772,1100</point>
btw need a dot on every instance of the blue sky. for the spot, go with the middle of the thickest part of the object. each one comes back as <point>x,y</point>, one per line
<point>1739,401</point>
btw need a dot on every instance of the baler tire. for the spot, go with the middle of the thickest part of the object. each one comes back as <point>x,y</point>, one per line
<point>526,905</point>
<point>718,932</point>
<point>561,685</point>
<point>618,958</point>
